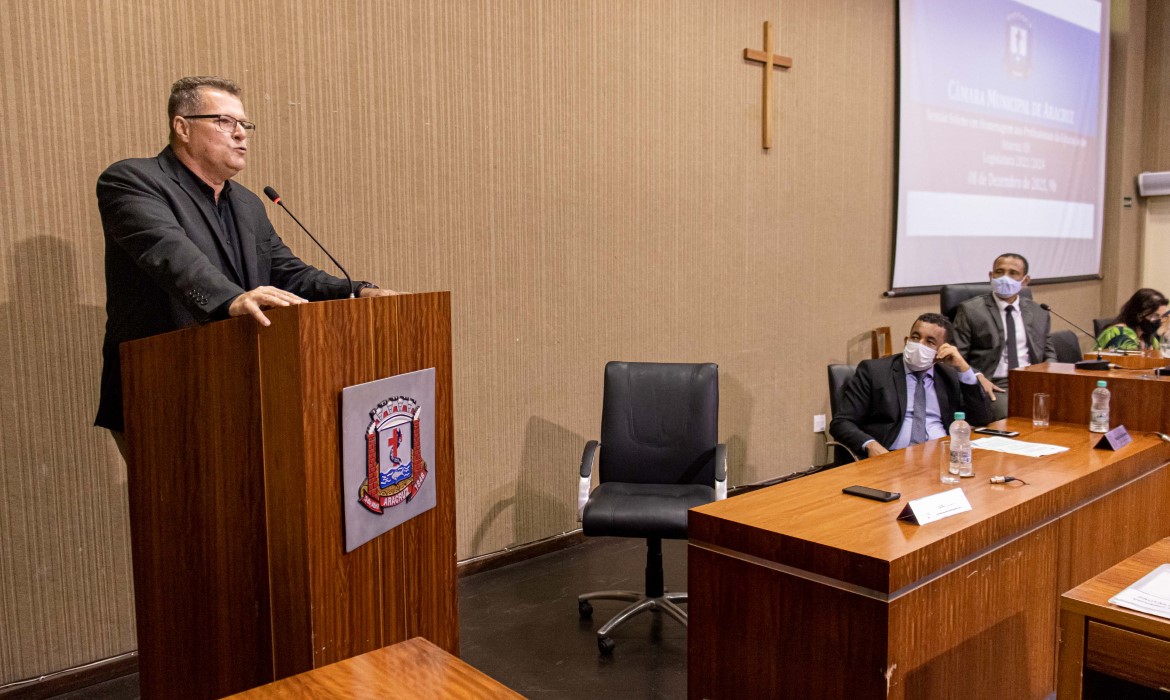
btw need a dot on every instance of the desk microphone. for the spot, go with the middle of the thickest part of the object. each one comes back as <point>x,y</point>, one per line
<point>271,193</point>
<point>1097,364</point>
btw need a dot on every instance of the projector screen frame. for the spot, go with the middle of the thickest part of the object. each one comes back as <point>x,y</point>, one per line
<point>1084,249</point>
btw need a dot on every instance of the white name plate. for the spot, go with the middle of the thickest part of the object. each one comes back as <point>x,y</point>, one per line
<point>936,507</point>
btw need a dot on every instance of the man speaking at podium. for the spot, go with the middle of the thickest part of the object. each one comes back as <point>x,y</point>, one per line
<point>186,245</point>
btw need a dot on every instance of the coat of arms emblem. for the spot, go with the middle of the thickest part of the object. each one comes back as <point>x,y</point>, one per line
<point>388,468</point>
<point>395,468</point>
<point>1018,46</point>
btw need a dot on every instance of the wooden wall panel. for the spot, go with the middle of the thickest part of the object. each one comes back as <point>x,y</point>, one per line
<point>1156,142</point>
<point>1121,252</point>
<point>1156,98</point>
<point>585,176</point>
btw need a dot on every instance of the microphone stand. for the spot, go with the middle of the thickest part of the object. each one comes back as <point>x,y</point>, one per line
<point>271,194</point>
<point>1098,364</point>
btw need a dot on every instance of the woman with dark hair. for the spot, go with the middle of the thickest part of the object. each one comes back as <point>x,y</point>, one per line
<point>1138,323</point>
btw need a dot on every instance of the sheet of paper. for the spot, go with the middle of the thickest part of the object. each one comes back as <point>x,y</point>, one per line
<point>1150,595</point>
<point>1159,585</point>
<point>1017,447</point>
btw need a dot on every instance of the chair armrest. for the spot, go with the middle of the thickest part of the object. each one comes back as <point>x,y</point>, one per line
<point>588,456</point>
<point>720,471</point>
<point>834,443</point>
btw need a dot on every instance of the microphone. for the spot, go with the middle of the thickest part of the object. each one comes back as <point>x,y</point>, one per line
<point>271,193</point>
<point>1097,364</point>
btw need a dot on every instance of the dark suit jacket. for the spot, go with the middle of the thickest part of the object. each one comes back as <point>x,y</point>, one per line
<point>874,402</point>
<point>167,265</point>
<point>979,333</point>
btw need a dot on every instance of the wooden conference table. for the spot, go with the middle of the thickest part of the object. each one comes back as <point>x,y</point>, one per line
<point>1107,639</point>
<point>411,670</point>
<point>1140,400</point>
<point>800,591</point>
<point>1131,360</point>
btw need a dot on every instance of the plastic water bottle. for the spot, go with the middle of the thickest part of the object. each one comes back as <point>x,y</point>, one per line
<point>961,446</point>
<point>1099,413</point>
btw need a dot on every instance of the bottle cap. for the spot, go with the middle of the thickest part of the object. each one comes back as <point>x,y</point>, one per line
<point>1100,382</point>
<point>959,415</point>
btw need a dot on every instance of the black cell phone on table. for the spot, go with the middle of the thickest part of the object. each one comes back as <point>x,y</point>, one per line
<point>993,431</point>
<point>874,494</point>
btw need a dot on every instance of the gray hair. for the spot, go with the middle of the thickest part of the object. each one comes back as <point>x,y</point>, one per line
<point>186,98</point>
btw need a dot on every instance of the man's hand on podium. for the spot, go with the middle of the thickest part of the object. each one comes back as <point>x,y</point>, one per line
<point>252,302</point>
<point>367,292</point>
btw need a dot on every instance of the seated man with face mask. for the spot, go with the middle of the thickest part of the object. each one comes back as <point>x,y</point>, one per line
<point>902,400</point>
<point>1001,330</point>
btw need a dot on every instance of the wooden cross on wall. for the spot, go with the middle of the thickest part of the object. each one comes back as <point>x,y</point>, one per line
<point>770,61</point>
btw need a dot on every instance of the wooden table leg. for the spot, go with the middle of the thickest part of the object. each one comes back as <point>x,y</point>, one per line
<point>1071,662</point>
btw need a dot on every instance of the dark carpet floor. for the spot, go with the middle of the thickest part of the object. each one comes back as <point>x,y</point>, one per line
<point>519,624</point>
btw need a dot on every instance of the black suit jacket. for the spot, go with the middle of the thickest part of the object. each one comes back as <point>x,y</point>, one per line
<point>980,336</point>
<point>166,259</point>
<point>874,402</point>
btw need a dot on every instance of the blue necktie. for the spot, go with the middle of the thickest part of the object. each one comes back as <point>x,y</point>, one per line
<point>918,418</point>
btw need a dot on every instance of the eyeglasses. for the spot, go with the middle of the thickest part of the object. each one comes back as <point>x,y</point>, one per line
<point>225,123</point>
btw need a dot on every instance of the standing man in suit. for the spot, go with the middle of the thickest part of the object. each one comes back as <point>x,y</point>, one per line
<point>185,245</point>
<point>902,400</point>
<point>1001,330</point>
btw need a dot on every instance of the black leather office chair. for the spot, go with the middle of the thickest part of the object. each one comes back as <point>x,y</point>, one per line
<point>839,376</point>
<point>951,295</point>
<point>1100,324</point>
<point>1068,346</point>
<point>659,456</point>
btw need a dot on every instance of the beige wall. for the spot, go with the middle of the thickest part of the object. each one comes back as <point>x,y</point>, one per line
<point>1156,245</point>
<point>585,177</point>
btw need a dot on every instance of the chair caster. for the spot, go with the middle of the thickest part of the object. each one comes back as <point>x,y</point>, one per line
<point>585,609</point>
<point>605,645</point>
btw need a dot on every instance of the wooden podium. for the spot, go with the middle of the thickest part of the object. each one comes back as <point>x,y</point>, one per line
<point>234,469</point>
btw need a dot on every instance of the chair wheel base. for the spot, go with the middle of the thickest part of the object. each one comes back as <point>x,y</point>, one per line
<point>605,645</point>
<point>638,603</point>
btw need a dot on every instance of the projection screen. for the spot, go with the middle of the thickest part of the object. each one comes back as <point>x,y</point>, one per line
<point>1001,138</point>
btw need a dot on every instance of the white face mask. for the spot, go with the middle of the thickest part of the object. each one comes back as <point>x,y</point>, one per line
<point>1006,287</point>
<point>918,356</point>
